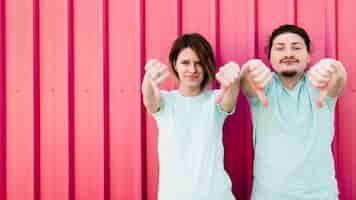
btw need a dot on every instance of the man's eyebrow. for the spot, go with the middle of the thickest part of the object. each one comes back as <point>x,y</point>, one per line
<point>279,43</point>
<point>282,43</point>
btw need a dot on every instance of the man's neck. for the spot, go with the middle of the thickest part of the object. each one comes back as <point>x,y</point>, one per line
<point>290,82</point>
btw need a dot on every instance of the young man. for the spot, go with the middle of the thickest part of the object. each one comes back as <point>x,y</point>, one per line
<point>293,119</point>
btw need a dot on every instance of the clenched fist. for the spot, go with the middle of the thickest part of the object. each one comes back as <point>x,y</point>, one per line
<point>258,75</point>
<point>228,75</point>
<point>322,74</point>
<point>156,73</point>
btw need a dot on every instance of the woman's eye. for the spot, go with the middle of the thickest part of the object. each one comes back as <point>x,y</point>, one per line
<point>185,63</point>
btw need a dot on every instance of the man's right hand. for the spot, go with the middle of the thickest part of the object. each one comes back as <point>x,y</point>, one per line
<point>257,75</point>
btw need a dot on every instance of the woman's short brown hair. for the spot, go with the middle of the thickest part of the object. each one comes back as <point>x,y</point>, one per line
<point>202,48</point>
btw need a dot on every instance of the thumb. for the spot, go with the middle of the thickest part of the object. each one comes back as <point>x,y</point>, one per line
<point>261,95</point>
<point>322,95</point>
<point>244,70</point>
<point>220,96</point>
<point>260,92</point>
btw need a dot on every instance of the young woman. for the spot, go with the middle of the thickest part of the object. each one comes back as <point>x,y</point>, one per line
<point>190,120</point>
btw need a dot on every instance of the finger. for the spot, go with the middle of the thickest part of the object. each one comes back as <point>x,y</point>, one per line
<point>330,68</point>
<point>154,70</point>
<point>322,95</point>
<point>157,73</point>
<point>150,63</point>
<point>317,84</point>
<point>266,80</point>
<point>162,67</point>
<point>319,78</point>
<point>244,70</point>
<point>229,72</point>
<point>312,79</point>
<point>257,71</point>
<point>329,64</point>
<point>261,95</point>
<point>223,82</point>
<point>234,70</point>
<point>247,68</point>
<point>161,79</point>
<point>325,72</point>
<point>261,77</point>
<point>220,96</point>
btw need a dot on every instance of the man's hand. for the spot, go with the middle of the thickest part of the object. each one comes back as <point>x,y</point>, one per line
<point>257,75</point>
<point>329,76</point>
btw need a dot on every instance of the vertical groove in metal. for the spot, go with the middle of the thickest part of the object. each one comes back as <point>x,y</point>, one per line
<point>256,38</point>
<point>179,17</point>
<point>71,113</point>
<point>217,32</point>
<point>217,38</point>
<point>3,125</point>
<point>36,100</point>
<point>142,110</point>
<point>295,2</point>
<point>106,101</point>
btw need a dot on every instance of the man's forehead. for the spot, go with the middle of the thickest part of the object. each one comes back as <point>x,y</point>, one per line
<point>288,38</point>
<point>288,42</point>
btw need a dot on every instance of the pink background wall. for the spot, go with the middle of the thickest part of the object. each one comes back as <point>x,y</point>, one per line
<point>72,126</point>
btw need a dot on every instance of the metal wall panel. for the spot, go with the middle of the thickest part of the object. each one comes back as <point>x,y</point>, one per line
<point>72,124</point>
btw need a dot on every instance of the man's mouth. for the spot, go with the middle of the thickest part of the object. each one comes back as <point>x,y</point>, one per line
<point>289,61</point>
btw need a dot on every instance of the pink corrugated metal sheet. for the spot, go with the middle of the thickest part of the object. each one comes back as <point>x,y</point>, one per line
<point>72,126</point>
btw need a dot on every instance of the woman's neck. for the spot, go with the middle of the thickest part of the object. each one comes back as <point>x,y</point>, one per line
<point>187,91</point>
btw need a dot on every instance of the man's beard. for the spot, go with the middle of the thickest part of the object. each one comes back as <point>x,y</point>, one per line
<point>289,74</point>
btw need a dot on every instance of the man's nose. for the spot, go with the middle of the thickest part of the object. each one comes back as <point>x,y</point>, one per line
<point>289,53</point>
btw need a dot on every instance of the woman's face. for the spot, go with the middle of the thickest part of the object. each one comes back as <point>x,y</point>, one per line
<point>190,70</point>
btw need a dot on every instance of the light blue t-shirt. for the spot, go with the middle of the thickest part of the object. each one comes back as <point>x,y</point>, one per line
<point>190,148</point>
<point>292,141</point>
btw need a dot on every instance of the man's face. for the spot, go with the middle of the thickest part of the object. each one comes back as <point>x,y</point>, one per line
<point>289,56</point>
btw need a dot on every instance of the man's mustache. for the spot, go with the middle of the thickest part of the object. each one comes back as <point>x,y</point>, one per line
<point>289,60</point>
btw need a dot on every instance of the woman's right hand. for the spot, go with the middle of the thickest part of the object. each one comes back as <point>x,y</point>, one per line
<point>156,74</point>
